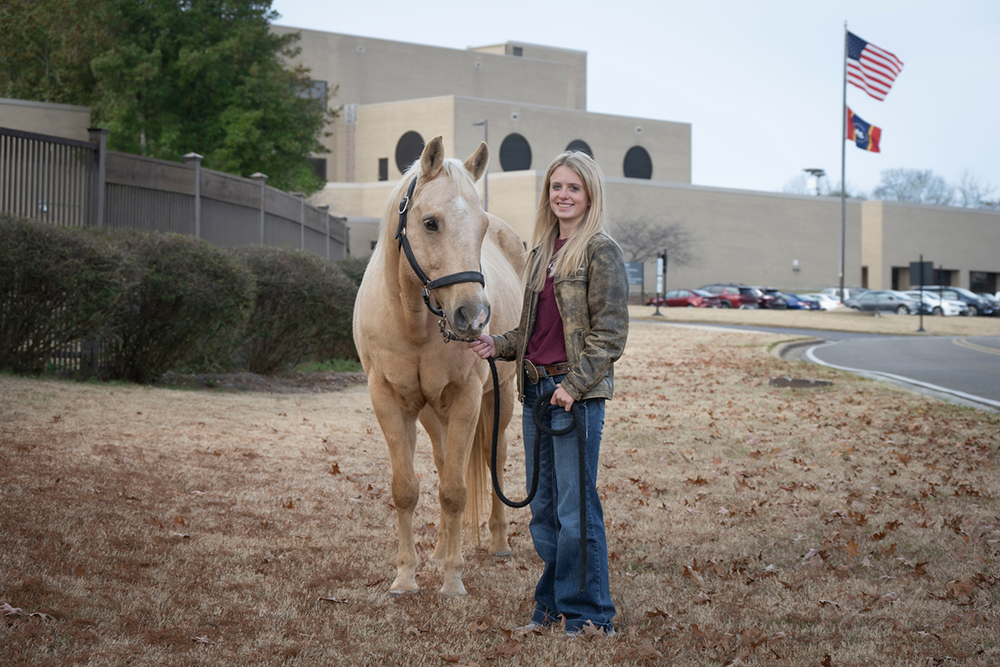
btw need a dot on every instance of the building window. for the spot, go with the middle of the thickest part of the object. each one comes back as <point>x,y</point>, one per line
<point>408,150</point>
<point>383,169</point>
<point>516,51</point>
<point>581,146</point>
<point>319,167</point>
<point>638,164</point>
<point>515,153</point>
<point>316,90</point>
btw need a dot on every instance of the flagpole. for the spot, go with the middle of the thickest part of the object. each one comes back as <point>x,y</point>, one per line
<point>843,170</point>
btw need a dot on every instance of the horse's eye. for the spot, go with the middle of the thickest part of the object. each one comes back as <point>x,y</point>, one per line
<point>431,223</point>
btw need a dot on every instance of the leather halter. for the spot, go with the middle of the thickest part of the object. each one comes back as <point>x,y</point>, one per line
<point>429,285</point>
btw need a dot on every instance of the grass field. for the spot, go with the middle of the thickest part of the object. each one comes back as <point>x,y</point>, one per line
<point>855,524</point>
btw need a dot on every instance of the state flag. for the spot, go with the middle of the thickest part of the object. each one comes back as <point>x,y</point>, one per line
<point>864,134</point>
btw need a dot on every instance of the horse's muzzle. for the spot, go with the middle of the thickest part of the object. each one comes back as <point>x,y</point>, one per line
<point>470,319</point>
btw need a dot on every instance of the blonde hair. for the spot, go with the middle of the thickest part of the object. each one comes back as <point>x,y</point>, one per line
<point>546,231</point>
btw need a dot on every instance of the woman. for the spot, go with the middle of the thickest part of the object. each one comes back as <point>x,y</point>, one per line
<point>573,327</point>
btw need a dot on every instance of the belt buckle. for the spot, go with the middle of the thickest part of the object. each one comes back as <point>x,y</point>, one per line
<point>531,372</point>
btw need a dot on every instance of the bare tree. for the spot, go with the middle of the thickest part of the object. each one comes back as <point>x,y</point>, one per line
<point>973,193</point>
<point>800,186</point>
<point>914,186</point>
<point>642,237</point>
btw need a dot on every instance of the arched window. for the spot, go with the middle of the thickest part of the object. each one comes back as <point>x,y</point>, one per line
<point>408,150</point>
<point>638,164</point>
<point>580,145</point>
<point>515,153</point>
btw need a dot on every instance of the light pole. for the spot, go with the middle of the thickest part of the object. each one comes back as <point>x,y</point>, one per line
<point>816,175</point>
<point>486,175</point>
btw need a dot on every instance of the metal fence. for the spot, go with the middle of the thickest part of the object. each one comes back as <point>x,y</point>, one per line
<point>81,183</point>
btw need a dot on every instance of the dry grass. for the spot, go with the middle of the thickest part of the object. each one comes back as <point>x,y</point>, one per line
<point>852,525</point>
<point>842,319</point>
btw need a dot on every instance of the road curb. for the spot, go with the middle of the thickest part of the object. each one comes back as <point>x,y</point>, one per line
<point>790,350</point>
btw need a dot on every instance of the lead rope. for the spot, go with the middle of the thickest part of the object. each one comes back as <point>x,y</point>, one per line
<point>542,405</point>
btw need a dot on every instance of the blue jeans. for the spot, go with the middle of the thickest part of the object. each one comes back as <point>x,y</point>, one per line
<point>555,514</point>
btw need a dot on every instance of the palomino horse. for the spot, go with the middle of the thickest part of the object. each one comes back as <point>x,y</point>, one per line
<point>475,260</point>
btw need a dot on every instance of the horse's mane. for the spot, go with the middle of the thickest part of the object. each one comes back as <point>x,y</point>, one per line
<point>451,168</point>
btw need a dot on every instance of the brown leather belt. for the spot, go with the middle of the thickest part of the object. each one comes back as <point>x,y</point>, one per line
<point>535,373</point>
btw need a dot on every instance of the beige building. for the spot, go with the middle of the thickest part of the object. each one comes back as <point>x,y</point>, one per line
<point>396,96</point>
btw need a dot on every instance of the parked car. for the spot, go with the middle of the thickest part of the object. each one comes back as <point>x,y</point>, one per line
<point>826,301</point>
<point>849,292</point>
<point>809,302</point>
<point>993,301</point>
<point>733,295</point>
<point>689,298</point>
<point>767,298</point>
<point>884,301</point>
<point>977,304</point>
<point>936,305</point>
<point>785,300</point>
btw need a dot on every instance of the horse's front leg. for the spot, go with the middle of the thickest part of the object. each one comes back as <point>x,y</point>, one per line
<point>400,431</point>
<point>436,430</point>
<point>453,492</point>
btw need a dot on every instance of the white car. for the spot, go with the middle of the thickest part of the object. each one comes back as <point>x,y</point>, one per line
<point>939,306</point>
<point>826,301</point>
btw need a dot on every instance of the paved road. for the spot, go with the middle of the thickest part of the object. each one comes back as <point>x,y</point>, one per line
<point>964,367</point>
<point>961,369</point>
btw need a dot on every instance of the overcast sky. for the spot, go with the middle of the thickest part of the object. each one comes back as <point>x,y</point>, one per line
<point>761,83</point>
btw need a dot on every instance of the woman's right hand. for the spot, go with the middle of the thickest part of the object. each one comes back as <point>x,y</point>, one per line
<point>484,346</point>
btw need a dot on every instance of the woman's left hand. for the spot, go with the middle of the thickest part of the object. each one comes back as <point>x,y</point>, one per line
<point>562,398</point>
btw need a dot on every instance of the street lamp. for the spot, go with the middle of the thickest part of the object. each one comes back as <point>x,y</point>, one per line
<point>486,176</point>
<point>816,175</point>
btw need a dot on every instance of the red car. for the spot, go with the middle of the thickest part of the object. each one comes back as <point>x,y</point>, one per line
<point>686,298</point>
<point>736,296</point>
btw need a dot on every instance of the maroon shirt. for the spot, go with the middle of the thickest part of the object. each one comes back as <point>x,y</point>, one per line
<point>547,345</point>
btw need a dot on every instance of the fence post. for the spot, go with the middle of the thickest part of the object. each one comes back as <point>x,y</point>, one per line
<point>193,159</point>
<point>326,210</point>
<point>99,136</point>
<point>302,218</point>
<point>262,178</point>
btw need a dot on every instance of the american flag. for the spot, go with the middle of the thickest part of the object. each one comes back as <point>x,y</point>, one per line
<point>870,68</point>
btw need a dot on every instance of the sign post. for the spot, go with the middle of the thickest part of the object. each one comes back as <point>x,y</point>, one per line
<point>923,273</point>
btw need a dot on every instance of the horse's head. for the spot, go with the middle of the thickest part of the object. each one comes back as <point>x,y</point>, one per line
<point>444,224</point>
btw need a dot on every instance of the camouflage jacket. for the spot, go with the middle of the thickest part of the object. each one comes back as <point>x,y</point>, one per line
<point>593,304</point>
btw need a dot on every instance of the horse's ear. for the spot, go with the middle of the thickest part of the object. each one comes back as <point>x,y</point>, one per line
<point>432,159</point>
<point>477,162</point>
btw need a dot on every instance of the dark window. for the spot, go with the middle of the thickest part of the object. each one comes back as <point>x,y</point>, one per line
<point>383,169</point>
<point>580,145</point>
<point>638,163</point>
<point>515,153</point>
<point>516,51</point>
<point>408,150</point>
<point>319,166</point>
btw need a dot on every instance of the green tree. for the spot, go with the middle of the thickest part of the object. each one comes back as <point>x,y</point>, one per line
<point>46,47</point>
<point>168,77</point>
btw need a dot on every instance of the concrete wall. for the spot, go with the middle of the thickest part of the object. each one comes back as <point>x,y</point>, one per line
<point>790,242</point>
<point>373,71</point>
<point>60,120</point>
<point>959,240</point>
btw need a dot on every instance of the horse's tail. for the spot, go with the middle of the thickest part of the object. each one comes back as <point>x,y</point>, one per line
<point>477,474</point>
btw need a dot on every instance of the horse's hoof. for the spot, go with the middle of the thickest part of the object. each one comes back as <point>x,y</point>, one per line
<point>398,593</point>
<point>453,591</point>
